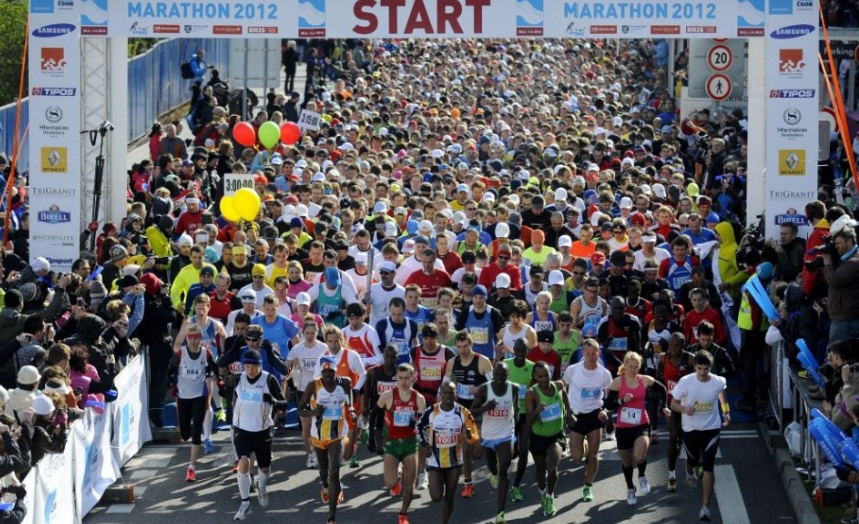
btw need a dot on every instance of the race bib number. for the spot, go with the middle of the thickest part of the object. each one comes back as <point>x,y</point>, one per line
<point>251,396</point>
<point>431,372</point>
<point>236,368</point>
<point>403,419</point>
<point>309,364</point>
<point>335,413</point>
<point>618,344</point>
<point>671,385</point>
<point>464,391</point>
<point>190,372</point>
<point>480,335</point>
<point>550,413</point>
<point>591,393</point>
<point>499,413</point>
<point>381,387</point>
<point>630,416</point>
<point>445,439</point>
<point>679,281</point>
<point>703,407</point>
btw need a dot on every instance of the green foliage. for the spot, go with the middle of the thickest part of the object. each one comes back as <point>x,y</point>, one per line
<point>13,25</point>
<point>138,46</point>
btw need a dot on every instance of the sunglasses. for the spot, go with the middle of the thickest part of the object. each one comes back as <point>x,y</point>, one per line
<point>248,299</point>
<point>252,339</point>
<point>386,272</point>
<point>503,257</point>
<point>579,273</point>
<point>471,209</point>
<point>193,337</point>
<point>259,276</point>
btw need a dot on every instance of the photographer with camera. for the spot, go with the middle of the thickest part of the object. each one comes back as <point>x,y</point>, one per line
<point>842,275</point>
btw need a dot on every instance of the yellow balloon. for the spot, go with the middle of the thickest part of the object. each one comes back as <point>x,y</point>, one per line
<point>246,203</point>
<point>228,210</point>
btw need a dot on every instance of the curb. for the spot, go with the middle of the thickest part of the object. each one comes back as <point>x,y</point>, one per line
<point>790,479</point>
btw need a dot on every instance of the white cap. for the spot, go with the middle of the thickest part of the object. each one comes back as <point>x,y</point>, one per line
<point>565,241</point>
<point>502,281</point>
<point>659,190</point>
<point>380,207</point>
<point>437,153</point>
<point>447,212</point>
<point>626,203</point>
<point>579,181</point>
<point>248,294</point>
<point>288,212</point>
<point>361,258</point>
<point>409,246</point>
<point>390,229</point>
<point>301,163</point>
<point>303,299</point>
<point>317,177</point>
<point>301,210</point>
<point>387,265</point>
<point>502,230</point>
<point>425,225</point>
<point>185,240</point>
<point>561,195</point>
<point>649,238</point>
<point>459,218</point>
<point>646,189</point>
<point>513,197</point>
<point>43,405</point>
<point>556,278</point>
<point>488,197</point>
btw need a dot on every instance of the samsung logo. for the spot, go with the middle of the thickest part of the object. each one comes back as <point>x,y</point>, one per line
<point>49,31</point>
<point>792,31</point>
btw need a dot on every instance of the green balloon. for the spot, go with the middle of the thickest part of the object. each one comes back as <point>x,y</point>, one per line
<point>269,134</point>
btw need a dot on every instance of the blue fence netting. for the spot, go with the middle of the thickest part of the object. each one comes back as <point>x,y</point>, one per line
<point>155,85</point>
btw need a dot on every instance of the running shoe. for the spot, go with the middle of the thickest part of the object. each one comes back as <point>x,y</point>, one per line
<point>608,435</point>
<point>588,494</point>
<point>499,519</point>
<point>323,495</point>
<point>191,476</point>
<point>423,480</point>
<point>353,463</point>
<point>643,485</point>
<point>704,514</point>
<point>221,415</point>
<point>404,519</point>
<point>671,486</point>
<point>850,520</point>
<point>314,461</point>
<point>516,494</point>
<point>630,497</point>
<point>341,497</point>
<point>549,506</point>
<point>262,494</point>
<point>493,481</point>
<point>365,436</point>
<point>543,498</point>
<point>207,446</point>
<point>243,510</point>
<point>396,490</point>
<point>309,463</point>
<point>235,466</point>
<point>467,491</point>
<point>691,480</point>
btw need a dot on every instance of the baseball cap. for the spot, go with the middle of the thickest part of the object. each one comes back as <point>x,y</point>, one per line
<point>597,258</point>
<point>478,290</point>
<point>565,241</point>
<point>502,230</point>
<point>388,266</point>
<point>28,375</point>
<point>248,295</point>
<point>502,281</point>
<point>303,299</point>
<point>556,278</point>
<point>258,269</point>
<point>252,356</point>
<point>545,335</point>
<point>207,271</point>
<point>626,203</point>
<point>332,276</point>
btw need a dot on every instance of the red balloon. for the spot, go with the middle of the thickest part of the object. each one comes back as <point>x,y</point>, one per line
<point>244,134</point>
<point>289,133</point>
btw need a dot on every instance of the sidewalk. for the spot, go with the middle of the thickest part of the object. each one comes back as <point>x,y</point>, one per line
<point>142,152</point>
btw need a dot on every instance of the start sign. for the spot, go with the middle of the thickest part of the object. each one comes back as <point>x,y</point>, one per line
<point>420,17</point>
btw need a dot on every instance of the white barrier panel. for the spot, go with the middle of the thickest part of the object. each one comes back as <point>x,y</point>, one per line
<point>95,467</point>
<point>423,19</point>
<point>130,422</point>
<point>54,479</point>
<point>30,499</point>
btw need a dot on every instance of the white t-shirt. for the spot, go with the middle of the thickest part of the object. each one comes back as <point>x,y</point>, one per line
<point>690,391</point>
<point>586,388</point>
<point>261,294</point>
<point>360,282</point>
<point>231,319</point>
<point>640,258</point>
<point>409,266</point>
<point>380,299</point>
<point>307,358</point>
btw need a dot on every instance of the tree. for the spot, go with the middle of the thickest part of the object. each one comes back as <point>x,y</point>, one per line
<point>13,24</point>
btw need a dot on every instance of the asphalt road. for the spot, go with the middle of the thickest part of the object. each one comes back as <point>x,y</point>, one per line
<point>748,490</point>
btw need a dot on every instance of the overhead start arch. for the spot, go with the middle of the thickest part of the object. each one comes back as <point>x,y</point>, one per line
<point>783,78</point>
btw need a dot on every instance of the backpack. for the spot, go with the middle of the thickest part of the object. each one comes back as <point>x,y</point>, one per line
<point>187,72</point>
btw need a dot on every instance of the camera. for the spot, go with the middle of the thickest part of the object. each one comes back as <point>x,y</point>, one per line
<point>829,248</point>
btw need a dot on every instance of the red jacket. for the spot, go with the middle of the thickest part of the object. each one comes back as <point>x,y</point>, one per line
<point>693,318</point>
<point>811,279</point>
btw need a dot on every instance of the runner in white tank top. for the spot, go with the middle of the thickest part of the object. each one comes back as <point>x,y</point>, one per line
<point>498,402</point>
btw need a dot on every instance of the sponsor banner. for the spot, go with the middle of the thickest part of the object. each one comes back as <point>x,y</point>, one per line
<point>54,500</point>
<point>55,124</point>
<point>418,18</point>
<point>792,112</point>
<point>95,469</point>
<point>640,18</point>
<point>224,18</point>
<point>130,420</point>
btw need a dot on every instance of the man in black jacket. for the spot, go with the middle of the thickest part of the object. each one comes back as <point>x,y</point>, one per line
<point>790,249</point>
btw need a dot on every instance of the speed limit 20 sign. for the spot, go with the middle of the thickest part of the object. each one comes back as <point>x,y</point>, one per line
<point>720,58</point>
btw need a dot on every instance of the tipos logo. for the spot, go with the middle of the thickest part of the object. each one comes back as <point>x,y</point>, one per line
<point>791,162</point>
<point>55,160</point>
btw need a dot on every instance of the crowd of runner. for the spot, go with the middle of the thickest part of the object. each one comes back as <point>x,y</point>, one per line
<point>510,250</point>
